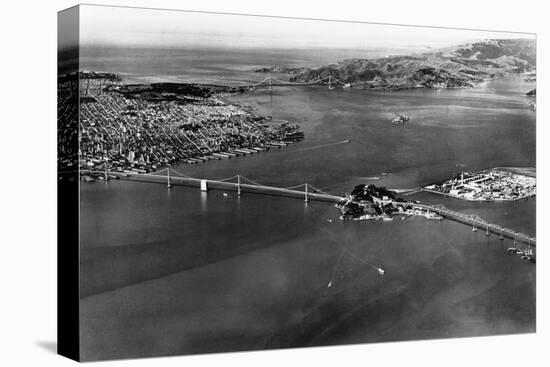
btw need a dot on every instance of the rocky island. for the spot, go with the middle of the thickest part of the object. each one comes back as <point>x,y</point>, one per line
<point>369,202</point>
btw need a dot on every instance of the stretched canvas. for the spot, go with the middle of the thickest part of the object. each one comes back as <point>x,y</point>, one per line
<point>237,183</point>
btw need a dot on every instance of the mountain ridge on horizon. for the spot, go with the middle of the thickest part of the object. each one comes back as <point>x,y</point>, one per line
<point>464,65</point>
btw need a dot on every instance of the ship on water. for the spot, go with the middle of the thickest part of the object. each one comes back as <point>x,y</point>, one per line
<point>400,119</point>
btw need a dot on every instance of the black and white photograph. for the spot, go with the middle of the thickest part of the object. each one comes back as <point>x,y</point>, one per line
<point>274,183</point>
<point>251,183</point>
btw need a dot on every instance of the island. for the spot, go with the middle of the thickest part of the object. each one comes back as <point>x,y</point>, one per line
<point>369,202</point>
<point>496,184</point>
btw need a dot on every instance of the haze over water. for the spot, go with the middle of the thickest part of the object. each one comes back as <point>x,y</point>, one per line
<point>181,271</point>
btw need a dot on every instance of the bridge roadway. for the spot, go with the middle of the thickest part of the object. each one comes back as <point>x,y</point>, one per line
<point>271,190</point>
<point>479,224</point>
<point>232,186</point>
<point>270,82</point>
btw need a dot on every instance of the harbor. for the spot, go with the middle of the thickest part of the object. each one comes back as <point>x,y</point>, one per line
<point>176,263</point>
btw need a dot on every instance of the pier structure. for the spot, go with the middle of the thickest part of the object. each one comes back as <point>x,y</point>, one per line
<point>307,192</point>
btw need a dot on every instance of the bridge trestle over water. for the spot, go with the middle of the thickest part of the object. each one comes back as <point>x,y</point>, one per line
<point>239,183</point>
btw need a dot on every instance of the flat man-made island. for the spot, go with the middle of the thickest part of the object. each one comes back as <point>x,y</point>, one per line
<point>496,184</point>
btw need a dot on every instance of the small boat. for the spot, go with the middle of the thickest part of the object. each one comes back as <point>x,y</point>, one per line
<point>87,178</point>
<point>512,250</point>
<point>400,119</point>
<point>381,271</point>
<point>225,195</point>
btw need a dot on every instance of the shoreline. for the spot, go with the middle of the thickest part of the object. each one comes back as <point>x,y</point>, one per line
<point>479,182</point>
<point>476,200</point>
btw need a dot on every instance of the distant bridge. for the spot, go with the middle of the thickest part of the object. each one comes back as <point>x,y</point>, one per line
<point>239,184</point>
<point>270,82</point>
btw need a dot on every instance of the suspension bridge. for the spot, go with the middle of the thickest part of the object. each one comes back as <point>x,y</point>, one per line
<point>269,83</point>
<point>239,184</point>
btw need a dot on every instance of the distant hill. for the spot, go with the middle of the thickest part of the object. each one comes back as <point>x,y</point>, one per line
<point>455,67</point>
<point>281,69</point>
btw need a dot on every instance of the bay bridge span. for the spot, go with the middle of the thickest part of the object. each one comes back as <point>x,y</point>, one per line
<point>239,184</point>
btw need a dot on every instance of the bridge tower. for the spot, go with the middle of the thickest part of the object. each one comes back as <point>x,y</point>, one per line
<point>106,171</point>
<point>330,82</point>
<point>306,197</point>
<point>239,185</point>
<point>270,85</point>
<point>168,183</point>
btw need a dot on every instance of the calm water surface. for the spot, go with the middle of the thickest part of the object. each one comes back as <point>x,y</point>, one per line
<point>180,271</point>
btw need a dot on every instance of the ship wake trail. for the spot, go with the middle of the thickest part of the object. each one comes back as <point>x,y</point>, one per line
<point>374,267</point>
<point>319,146</point>
<point>335,268</point>
<point>407,192</point>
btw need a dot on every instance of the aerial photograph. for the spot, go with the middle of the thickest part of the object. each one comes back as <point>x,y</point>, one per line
<point>251,183</point>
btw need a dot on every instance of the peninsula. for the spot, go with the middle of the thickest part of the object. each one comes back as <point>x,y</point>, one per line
<point>463,66</point>
<point>141,127</point>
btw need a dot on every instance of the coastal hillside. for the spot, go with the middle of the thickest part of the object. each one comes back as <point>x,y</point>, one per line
<point>462,66</point>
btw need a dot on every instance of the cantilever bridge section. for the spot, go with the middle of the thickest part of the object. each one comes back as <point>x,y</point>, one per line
<point>305,191</point>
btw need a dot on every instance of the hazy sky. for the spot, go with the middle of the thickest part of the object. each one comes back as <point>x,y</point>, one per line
<point>161,28</point>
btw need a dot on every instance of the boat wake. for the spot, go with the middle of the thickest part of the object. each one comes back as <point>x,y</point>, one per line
<point>407,191</point>
<point>319,146</point>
